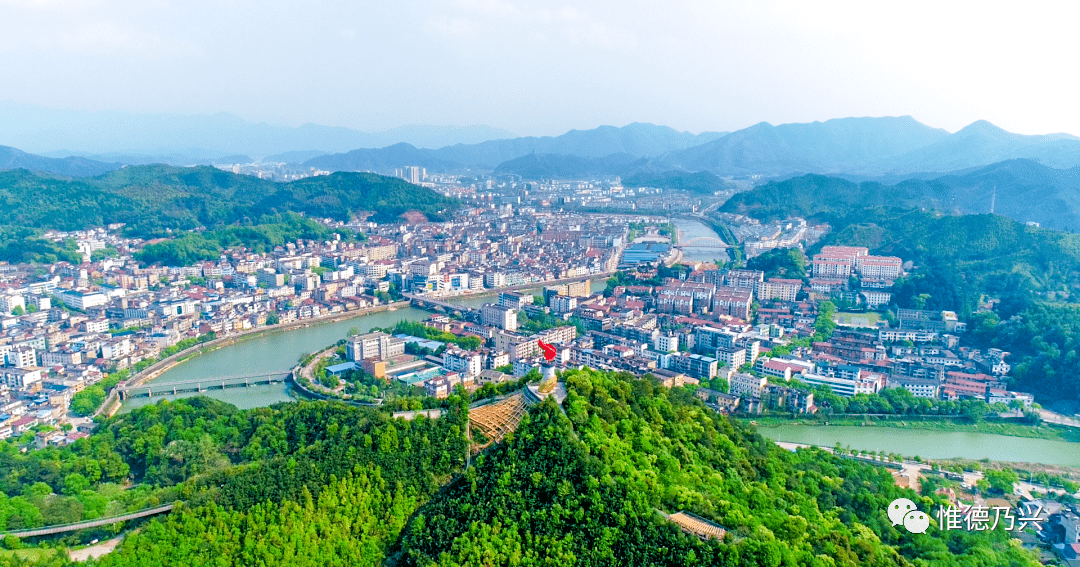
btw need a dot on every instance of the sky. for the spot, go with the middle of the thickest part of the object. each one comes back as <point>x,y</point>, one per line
<point>541,68</point>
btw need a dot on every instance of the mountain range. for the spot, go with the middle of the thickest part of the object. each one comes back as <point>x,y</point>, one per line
<point>11,158</point>
<point>888,149</point>
<point>1020,189</point>
<point>638,140</point>
<point>199,138</point>
<point>896,147</point>
<point>869,146</point>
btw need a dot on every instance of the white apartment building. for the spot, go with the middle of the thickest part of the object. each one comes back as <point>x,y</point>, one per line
<point>666,343</point>
<point>373,345</point>
<point>498,316</point>
<point>879,267</point>
<point>465,362</point>
<point>746,385</point>
<point>81,301</point>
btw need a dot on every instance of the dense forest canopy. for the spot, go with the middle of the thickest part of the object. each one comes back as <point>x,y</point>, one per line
<point>155,199</point>
<point>328,484</point>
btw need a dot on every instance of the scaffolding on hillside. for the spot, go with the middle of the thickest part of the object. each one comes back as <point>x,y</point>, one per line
<point>498,419</point>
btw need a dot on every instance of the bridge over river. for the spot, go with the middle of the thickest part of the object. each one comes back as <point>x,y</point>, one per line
<point>202,385</point>
<point>424,302</point>
<point>703,242</point>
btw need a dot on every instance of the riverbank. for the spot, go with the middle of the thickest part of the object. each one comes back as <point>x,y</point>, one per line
<point>926,423</point>
<point>112,402</point>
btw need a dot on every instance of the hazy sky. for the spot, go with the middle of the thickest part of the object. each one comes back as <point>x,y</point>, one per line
<point>544,67</point>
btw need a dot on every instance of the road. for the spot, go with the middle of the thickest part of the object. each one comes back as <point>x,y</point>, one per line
<point>1058,419</point>
<point>95,551</point>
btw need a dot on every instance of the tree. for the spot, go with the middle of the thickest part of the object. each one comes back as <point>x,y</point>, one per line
<point>18,311</point>
<point>272,318</point>
<point>1002,480</point>
<point>75,483</point>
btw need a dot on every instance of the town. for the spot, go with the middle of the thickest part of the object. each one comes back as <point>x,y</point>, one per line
<point>72,334</point>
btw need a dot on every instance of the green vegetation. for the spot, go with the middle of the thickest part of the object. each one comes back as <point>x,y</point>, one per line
<point>19,244</point>
<point>584,488</point>
<point>535,323</point>
<point>328,484</point>
<point>788,263</point>
<point>270,231</point>
<point>157,200</point>
<point>867,320</point>
<point>423,331</point>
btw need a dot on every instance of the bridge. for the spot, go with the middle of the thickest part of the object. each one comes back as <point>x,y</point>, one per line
<point>202,385</point>
<point>703,242</point>
<point>423,302</point>
<point>59,529</point>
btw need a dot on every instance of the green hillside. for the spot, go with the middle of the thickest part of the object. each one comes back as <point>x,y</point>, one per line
<point>1033,272</point>
<point>324,484</point>
<point>154,199</point>
<point>1020,189</point>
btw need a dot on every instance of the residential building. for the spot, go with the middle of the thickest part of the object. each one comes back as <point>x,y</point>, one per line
<point>376,345</point>
<point>694,365</point>
<point>464,362</point>
<point>498,316</point>
<point>778,288</point>
<point>746,385</point>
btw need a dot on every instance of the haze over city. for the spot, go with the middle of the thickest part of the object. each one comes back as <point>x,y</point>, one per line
<point>534,68</point>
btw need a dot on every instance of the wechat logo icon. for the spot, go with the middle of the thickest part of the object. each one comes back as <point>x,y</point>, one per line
<point>903,512</point>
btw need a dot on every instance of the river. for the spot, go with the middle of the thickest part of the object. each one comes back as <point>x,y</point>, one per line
<point>691,229</point>
<point>931,444</point>
<point>280,352</point>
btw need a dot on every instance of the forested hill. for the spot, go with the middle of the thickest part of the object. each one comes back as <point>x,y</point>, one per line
<point>1020,189</point>
<point>324,484</point>
<point>154,198</point>
<point>1032,272</point>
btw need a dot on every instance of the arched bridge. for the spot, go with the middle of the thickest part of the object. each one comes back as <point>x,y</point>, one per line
<point>423,302</point>
<point>703,242</point>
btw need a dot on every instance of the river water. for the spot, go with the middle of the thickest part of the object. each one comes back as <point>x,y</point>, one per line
<point>280,352</point>
<point>691,229</point>
<point>931,444</point>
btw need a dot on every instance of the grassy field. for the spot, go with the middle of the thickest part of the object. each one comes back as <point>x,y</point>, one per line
<point>31,554</point>
<point>868,320</point>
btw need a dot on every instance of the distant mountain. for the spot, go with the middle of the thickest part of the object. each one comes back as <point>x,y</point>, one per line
<point>819,147</point>
<point>1019,189</point>
<point>558,166</point>
<point>701,182</point>
<point>11,158</point>
<point>889,146</point>
<point>982,143</point>
<point>294,157</point>
<point>638,140</point>
<point>43,130</point>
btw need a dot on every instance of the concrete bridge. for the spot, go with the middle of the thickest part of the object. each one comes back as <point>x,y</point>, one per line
<point>222,383</point>
<point>59,529</point>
